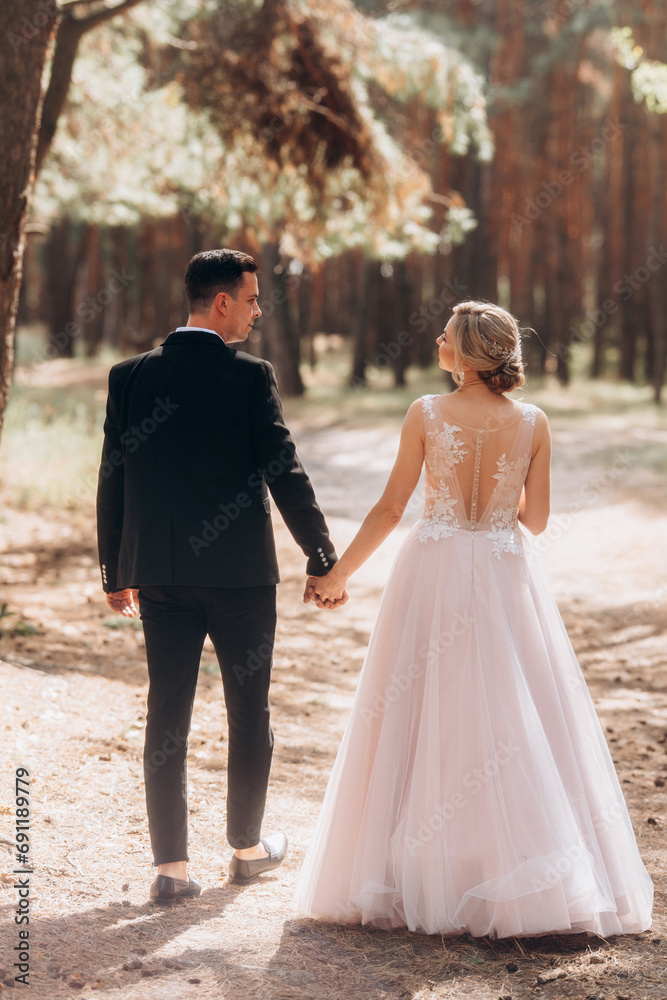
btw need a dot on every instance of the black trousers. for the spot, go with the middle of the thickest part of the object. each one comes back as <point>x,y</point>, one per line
<point>241,623</point>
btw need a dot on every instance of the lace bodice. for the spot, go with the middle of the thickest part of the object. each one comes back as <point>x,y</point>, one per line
<point>474,475</point>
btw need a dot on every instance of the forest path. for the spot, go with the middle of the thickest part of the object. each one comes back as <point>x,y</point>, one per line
<point>74,700</point>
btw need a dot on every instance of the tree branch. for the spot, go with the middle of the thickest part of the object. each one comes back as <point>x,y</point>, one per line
<point>93,20</point>
<point>75,3</point>
<point>70,32</point>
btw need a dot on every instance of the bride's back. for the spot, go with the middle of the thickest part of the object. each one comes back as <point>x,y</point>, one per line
<point>475,468</point>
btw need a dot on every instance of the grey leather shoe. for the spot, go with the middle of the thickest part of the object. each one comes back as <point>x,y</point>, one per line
<point>244,872</point>
<point>166,891</point>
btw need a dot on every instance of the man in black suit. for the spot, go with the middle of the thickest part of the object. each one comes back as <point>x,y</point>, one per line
<point>193,436</point>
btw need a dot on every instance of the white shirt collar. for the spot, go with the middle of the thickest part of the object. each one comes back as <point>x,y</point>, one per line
<point>180,329</point>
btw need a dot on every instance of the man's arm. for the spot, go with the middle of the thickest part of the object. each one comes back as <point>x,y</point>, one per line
<point>110,493</point>
<point>286,477</point>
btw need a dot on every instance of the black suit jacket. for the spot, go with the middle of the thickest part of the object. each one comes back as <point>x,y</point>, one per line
<point>194,434</point>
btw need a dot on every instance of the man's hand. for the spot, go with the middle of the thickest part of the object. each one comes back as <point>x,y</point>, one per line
<point>124,602</point>
<point>310,594</point>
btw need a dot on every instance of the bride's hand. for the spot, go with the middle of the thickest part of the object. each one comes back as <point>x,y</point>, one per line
<point>330,589</point>
<point>333,588</point>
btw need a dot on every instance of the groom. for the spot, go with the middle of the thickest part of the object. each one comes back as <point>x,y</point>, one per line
<point>193,436</point>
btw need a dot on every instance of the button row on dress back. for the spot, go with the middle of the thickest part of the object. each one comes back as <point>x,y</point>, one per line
<point>475,482</point>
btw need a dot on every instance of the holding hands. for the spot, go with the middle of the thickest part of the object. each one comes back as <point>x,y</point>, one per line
<point>329,591</point>
<point>326,591</point>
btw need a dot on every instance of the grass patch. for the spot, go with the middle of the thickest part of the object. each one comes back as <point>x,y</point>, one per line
<point>207,667</point>
<point>119,621</point>
<point>25,628</point>
<point>51,447</point>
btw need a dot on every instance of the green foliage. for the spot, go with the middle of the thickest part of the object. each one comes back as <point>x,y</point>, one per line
<point>20,628</point>
<point>120,622</point>
<point>328,173</point>
<point>410,61</point>
<point>207,667</point>
<point>126,147</point>
<point>25,629</point>
<point>261,123</point>
<point>649,77</point>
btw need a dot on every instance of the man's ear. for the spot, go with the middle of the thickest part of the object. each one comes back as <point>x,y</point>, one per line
<point>221,302</point>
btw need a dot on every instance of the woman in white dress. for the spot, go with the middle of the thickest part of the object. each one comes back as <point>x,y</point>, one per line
<point>473,789</point>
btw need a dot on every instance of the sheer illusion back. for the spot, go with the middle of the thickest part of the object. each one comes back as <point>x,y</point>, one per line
<point>474,475</point>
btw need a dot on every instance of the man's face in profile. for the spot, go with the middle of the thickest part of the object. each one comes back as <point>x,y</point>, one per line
<point>243,310</point>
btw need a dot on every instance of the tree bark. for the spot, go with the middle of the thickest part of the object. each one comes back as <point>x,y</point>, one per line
<point>369,276</point>
<point>656,285</point>
<point>115,317</point>
<point>281,335</point>
<point>63,253</point>
<point>305,304</point>
<point>403,300</point>
<point>27,32</point>
<point>94,301</point>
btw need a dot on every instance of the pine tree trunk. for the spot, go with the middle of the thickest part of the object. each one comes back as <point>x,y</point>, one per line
<point>115,316</point>
<point>369,274</point>
<point>95,298</point>
<point>145,329</point>
<point>280,331</point>
<point>330,318</point>
<point>306,328</point>
<point>403,298</point>
<point>657,301</point>
<point>63,253</point>
<point>26,30</point>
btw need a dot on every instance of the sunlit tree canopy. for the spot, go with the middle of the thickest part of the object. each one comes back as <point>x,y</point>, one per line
<point>265,117</point>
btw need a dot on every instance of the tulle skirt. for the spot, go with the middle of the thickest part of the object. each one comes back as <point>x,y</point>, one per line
<point>473,789</point>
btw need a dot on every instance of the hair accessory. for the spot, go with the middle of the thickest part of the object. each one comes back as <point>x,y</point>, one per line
<point>502,353</point>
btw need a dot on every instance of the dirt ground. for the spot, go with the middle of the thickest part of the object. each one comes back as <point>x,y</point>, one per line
<point>74,686</point>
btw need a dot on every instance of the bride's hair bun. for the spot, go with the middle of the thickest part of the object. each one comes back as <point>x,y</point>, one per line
<point>486,338</point>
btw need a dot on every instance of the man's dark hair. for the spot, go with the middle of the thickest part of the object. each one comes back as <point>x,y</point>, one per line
<point>213,271</point>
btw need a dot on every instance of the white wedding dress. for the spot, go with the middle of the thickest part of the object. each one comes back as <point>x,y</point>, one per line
<point>473,789</point>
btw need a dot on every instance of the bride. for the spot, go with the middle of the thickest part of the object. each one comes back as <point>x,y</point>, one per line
<point>473,789</point>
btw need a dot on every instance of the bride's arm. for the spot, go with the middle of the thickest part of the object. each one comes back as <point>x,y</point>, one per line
<point>535,502</point>
<point>387,512</point>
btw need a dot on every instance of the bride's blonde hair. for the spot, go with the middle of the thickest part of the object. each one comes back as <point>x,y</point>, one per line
<point>488,340</point>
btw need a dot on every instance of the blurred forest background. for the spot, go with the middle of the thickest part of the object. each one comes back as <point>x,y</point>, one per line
<point>382,160</point>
